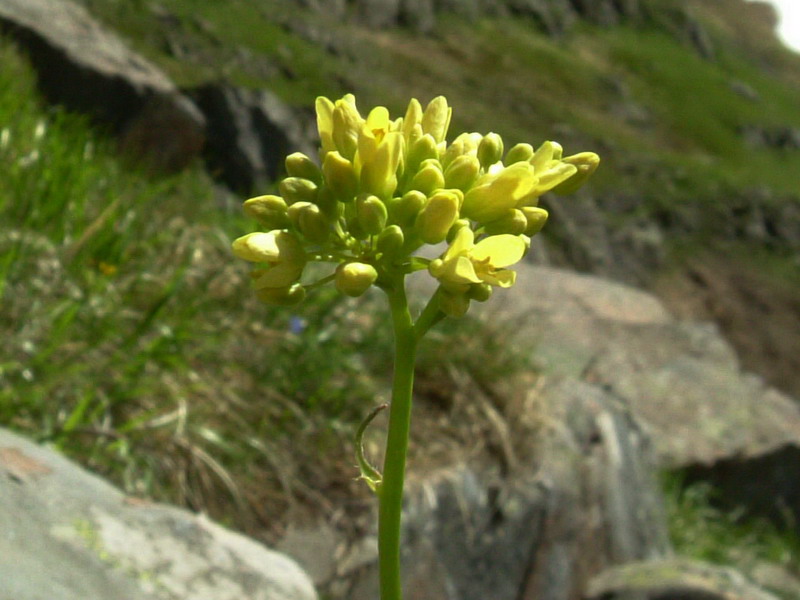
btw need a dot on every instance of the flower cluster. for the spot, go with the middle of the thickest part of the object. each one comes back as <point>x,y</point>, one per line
<point>387,187</point>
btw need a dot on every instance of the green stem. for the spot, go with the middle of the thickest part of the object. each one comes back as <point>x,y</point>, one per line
<point>390,496</point>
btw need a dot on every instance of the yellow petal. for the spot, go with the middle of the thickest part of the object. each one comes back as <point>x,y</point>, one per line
<point>558,173</point>
<point>464,240</point>
<point>412,119</point>
<point>501,250</point>
<point>257,247</point>
<point>281,275</point>
<point>492,200</point>
<point>324,109</point>
<point>547,152</point>
<point>460,270</point>
<point>436,118</point>
<point>378,118</point>
<point>502,278</point>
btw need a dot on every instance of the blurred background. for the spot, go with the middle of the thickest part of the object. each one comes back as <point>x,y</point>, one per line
<point>130,132</point>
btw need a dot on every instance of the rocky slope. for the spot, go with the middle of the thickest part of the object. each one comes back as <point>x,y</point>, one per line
<point>626,390</point>
<point>689,162</point>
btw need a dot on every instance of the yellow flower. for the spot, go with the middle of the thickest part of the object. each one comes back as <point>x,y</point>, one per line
<point>466,262</point>
<point>338,124</point>
<point>494,194</point>
<point>379,152</point>
<point>436,118</point>
<point>280,250</point>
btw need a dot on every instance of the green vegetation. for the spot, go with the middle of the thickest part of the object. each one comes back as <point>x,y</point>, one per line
<point>134,345</point>
<point>700,530</point>
<point>130,332</point>
<point>132,342</point>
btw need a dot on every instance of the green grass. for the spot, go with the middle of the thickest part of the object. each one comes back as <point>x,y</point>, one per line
<point>238,41</point>
<point>132,340</point>
<point>699,530</point>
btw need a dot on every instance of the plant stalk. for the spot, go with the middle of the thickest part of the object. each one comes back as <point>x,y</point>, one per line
<point>390,496</point>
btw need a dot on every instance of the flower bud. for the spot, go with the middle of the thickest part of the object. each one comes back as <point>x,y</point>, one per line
<point>429,177</point>
<point>268,210</point>
<point>437,216</point>
<point>462,172</point>
<point>299,165</point>
<point>412,119</point>
<point>480,292</point>
<point>330,206</point>
<point>519,153</point>
<point>309,220</point>
<point>586,163</point>
<point>340,176</point>
<point>371,214</point>
<point>346,125</point>
<point>466,143</point>
<point>490,200</point>
<point>421,149</point>
<point>490,150</point>
<point>436,118</point>
<point>354,278</point>
<point>403,211</point>
<point>545,154</point>
<point>535,219</point>
<point>453,305</point>
<point>269,247</point>
<point>513,222</point>
<point>390,241</point>
<point>379,164</point>
<point>282,296</point>
<point>454,229</point>
<point>297,189</point>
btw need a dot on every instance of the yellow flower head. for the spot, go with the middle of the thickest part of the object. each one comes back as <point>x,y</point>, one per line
<point>384,187</point>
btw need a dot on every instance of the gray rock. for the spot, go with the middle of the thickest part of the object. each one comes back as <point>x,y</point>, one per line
<point>468,9</point>
<point>87,68</point>
<point>745,90</point>
<point>249,133</point>
<point>418,15</point>
<point>602,12</point>
<point>776,579</point>
<point>67,534</point>
<point>378,13</point>
<point>680,380</point>
<point>780,138</point>
<point>582,234</point>
<point>681,23</point>
<point>673,579</point>
<point>334,8</point>
<point>552,17</point>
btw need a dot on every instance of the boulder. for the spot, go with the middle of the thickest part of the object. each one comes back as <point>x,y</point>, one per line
<point>681,380</point>
<point>418,15</point>
<point>66,534</point>
<point>87,68</point>
<point>779,138</point>
<point>378,13</point>
<point>601,12</point>
<point>552,17</point>
<point>674,579</point>
<point>249,133</point>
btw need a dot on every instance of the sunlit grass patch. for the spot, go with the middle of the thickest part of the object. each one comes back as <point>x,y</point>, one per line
<point>700,530</point>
